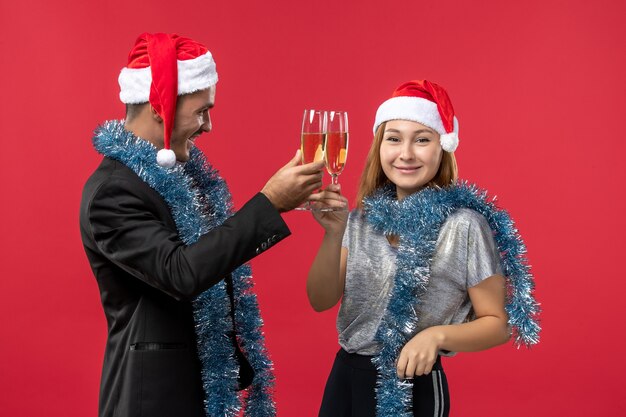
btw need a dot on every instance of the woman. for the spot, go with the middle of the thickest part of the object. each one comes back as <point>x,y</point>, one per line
<point>417,266</point>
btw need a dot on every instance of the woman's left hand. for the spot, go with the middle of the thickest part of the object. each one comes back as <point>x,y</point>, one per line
<point>419,355</point>
<point>330,197</point>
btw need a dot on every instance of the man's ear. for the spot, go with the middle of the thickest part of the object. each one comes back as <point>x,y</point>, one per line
<point>155,115</point>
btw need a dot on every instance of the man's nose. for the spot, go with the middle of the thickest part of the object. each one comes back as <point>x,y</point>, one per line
<point>207,126</point>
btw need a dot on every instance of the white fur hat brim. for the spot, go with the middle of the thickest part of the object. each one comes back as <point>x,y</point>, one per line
<point>193,75</point>
<point>420,110</point>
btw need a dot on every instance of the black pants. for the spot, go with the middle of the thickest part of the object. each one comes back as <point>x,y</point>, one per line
<point>350,389</point>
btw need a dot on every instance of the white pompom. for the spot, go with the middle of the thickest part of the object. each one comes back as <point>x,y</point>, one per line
<point>449,141</point>
<point>166,158</point>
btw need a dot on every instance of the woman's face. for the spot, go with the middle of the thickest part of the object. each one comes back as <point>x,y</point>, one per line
<point>410,155</point>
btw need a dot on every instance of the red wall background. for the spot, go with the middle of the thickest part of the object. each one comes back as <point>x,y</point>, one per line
<point>539,90</point>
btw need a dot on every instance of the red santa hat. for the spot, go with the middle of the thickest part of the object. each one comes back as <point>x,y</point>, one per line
<point>423,102</point>
<point>161,67</point>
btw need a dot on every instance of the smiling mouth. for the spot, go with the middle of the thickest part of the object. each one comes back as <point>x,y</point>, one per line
<point>195,136</point>
<point>407,169</point>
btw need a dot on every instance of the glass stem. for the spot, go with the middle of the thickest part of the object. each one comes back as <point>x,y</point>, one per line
<point>334,179</point>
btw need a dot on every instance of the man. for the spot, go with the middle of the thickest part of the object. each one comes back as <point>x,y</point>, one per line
<point>183,327</point>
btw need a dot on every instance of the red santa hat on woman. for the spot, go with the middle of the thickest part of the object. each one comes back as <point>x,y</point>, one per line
<point>423,102</point>
<point>161,67</point>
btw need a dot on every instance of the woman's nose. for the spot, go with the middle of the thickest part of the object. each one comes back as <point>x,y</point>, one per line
<point>406,153</point>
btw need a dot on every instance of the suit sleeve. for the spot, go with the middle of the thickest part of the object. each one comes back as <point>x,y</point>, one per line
<point>129,233</point>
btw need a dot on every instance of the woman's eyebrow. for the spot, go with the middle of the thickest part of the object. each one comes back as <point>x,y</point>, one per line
<point>414,132</point>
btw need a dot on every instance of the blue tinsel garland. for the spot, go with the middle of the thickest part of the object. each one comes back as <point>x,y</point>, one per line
<point>199,201</point>
<point>417,220</point>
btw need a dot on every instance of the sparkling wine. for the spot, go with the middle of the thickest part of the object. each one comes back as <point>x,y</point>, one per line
<point>336,149</point>
<point>312,147</point>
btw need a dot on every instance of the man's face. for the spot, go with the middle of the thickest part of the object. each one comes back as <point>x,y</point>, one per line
<point>192,119</point>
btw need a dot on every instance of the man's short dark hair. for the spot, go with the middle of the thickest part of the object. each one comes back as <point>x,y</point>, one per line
<point>133,110</point>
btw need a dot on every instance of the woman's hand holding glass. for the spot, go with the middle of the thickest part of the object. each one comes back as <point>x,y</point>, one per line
<point>330,208</point>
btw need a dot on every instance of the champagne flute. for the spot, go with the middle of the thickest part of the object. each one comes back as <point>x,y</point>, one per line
<point>312,140</point>
<point>313,134</point>
<point>336,145</point>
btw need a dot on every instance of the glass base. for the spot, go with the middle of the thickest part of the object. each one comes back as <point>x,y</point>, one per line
<point>308,207</point>
<point>331,209</point>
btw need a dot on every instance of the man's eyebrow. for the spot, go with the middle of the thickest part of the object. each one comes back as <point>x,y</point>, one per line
<point>207,106</point>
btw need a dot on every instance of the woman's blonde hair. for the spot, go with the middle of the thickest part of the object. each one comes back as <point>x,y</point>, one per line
<point>373,176</point>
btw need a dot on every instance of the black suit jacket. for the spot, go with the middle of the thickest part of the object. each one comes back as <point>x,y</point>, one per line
<point>147,278</point>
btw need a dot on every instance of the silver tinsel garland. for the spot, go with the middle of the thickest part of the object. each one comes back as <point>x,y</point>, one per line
<point>417,220</point>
